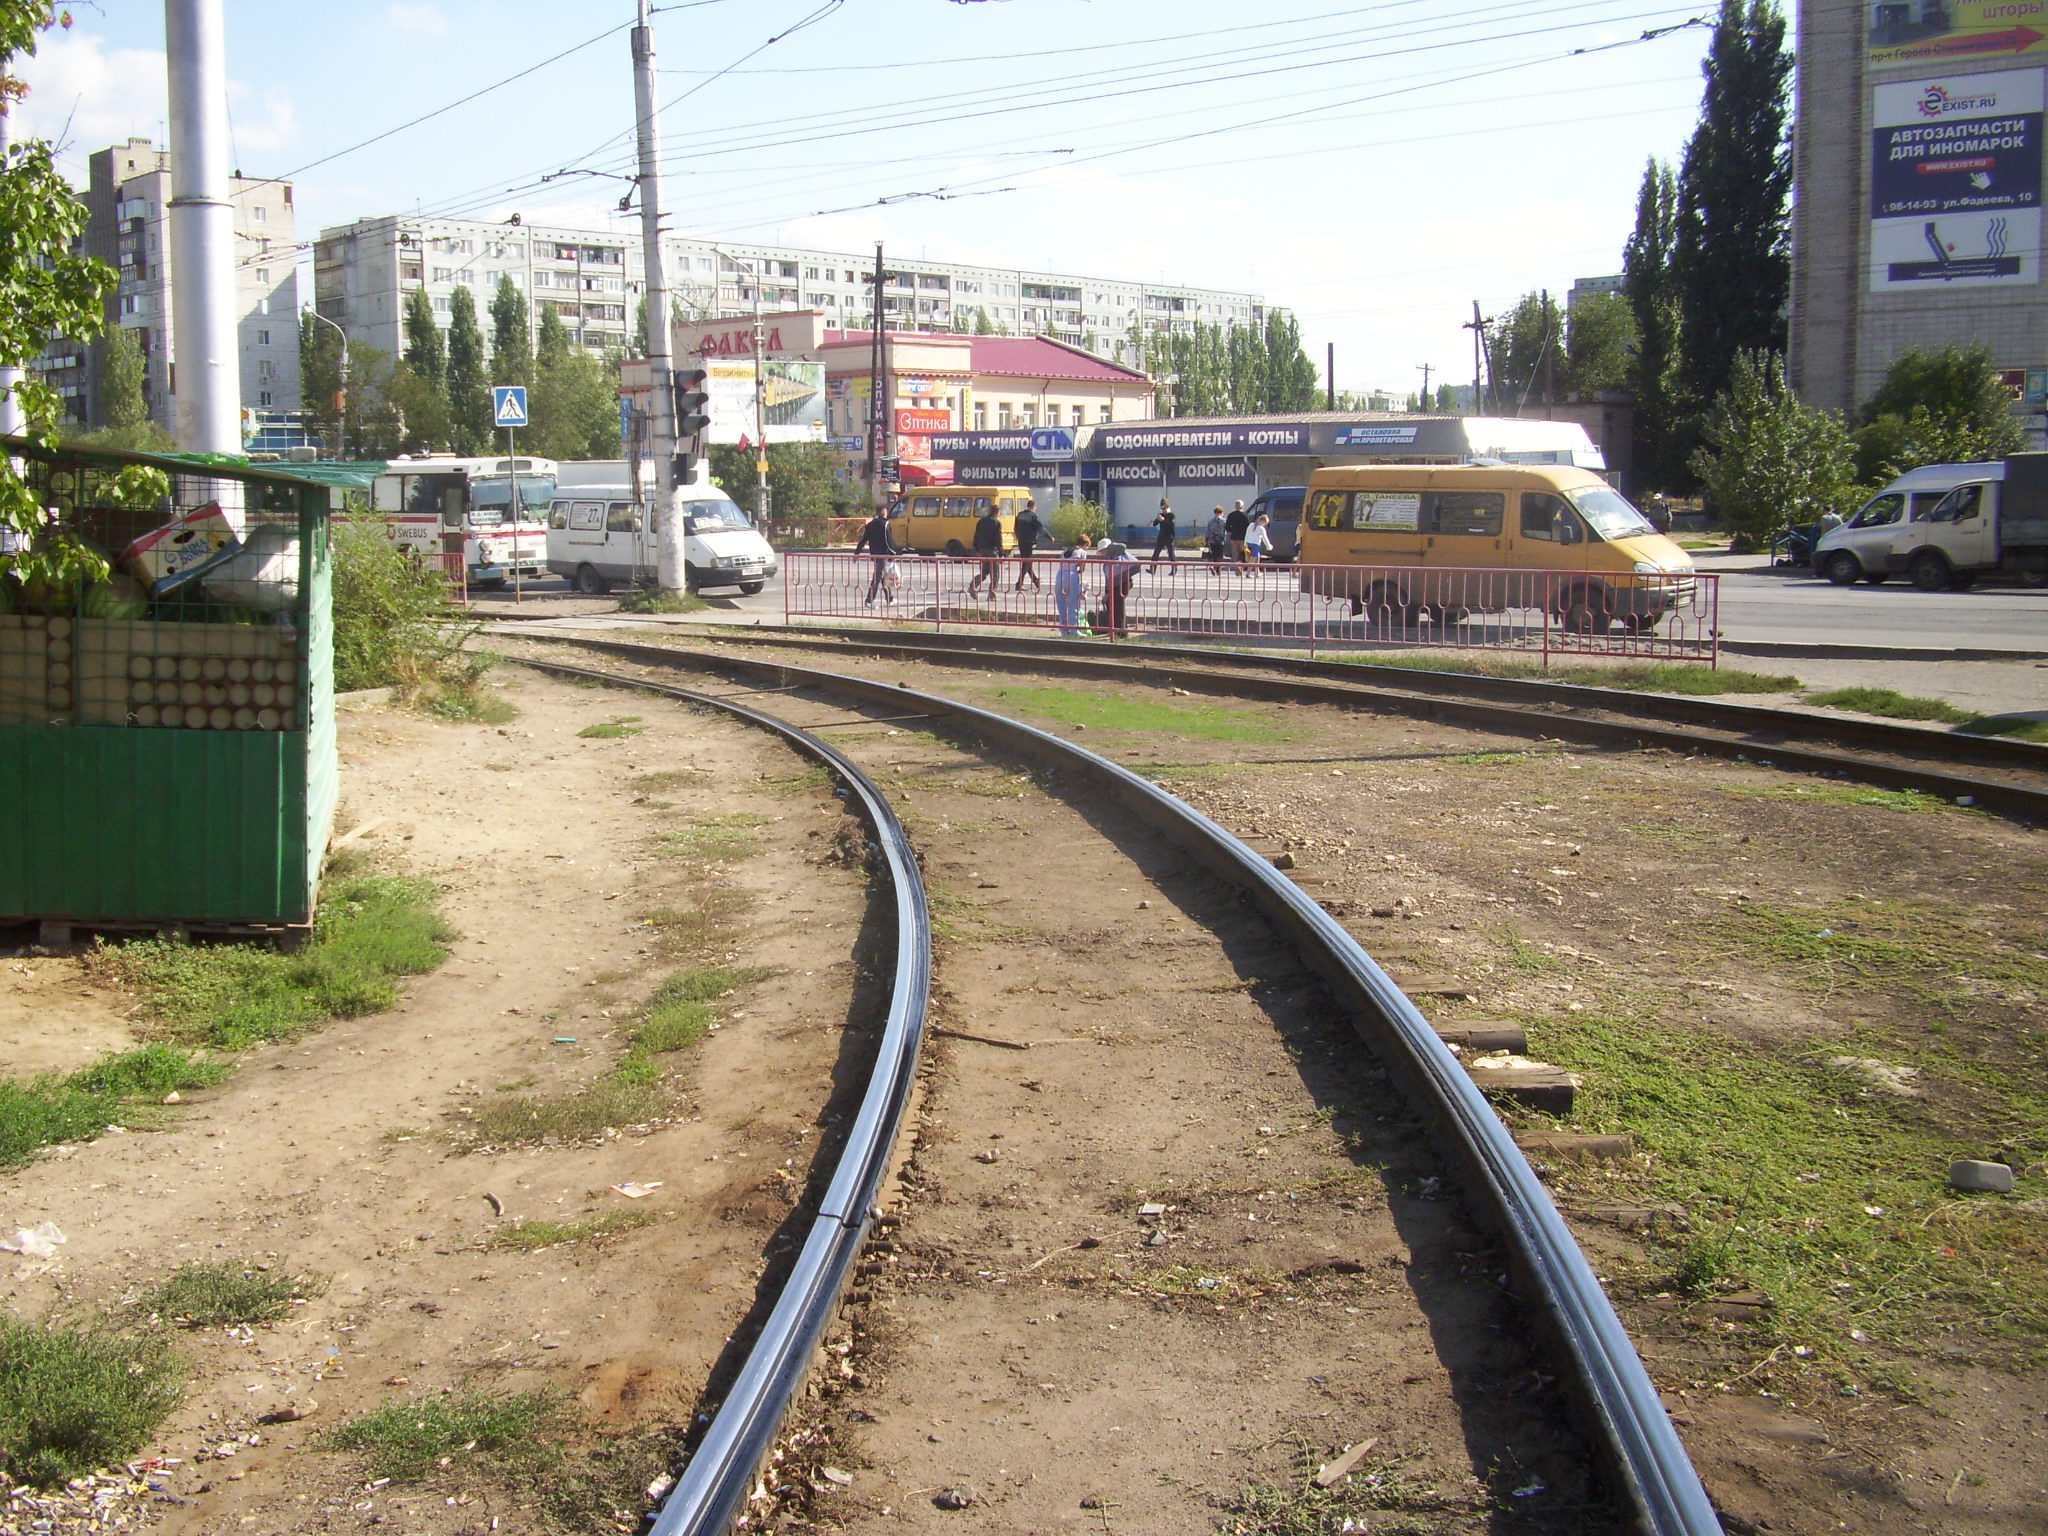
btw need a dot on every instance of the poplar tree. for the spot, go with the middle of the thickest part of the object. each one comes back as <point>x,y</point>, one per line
<point>124,406</point>
<point>469,389</point>
<point>1651,288</point>
<point>1292,383</point>
<point>1731,258</point>
<point>511,335</point>
<point>426,349</point>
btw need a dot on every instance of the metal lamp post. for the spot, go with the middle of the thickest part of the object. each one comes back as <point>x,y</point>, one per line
<point>341,395</point>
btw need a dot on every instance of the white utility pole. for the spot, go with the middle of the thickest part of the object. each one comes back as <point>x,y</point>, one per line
<point>660,360</point>
<point>205,350</point>
<point>10,409</point>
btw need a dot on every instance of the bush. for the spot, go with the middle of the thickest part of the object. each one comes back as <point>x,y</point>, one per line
<point>1077,521</point>
<point>74,1399</point>
<point>395,623</point>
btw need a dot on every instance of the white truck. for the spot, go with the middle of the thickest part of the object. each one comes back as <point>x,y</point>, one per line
<point>600,537</point>
<point>1991,525</point>
<point>1856,551</point>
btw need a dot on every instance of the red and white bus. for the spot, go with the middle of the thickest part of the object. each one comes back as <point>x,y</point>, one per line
<point>491,513</point>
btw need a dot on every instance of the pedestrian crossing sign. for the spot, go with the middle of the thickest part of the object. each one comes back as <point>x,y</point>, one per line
<point>508,403</point>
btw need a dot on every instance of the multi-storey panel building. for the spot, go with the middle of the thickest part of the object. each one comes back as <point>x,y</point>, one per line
<point>127,200</point>
<point>363,273</point>
<point>1917,220</point>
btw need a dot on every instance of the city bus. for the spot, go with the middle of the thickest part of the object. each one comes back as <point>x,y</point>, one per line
<point>441,506</point>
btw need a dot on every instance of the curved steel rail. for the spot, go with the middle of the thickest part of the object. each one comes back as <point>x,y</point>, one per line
<point>1516,706</point>
<point>716,1481</point>
<point>1640,1447</point>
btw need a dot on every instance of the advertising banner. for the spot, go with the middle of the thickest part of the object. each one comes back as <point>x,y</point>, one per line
<point>792,332</point>
<point>1147,442</point>
<point>923,421</point>
<point>1017,472</point>
<point>959,446</point>
<point>1964,31</point>
<point>793,401</point>
<point>1955,183</point>
<point>1132,472</point>
<point>1209,472</point>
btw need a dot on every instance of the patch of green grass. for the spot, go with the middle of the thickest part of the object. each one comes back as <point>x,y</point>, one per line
<point>222,1293</point>
<point>1134,712</point>
<point>1905,800</point>
<point>2022,727</point>
<point>44,1111</point>
<point>1795,1182</point>
<point>370,931</point>
<point>550,1234</point>
<point>1527,958</point>
<point>647,600</point>
<point>1486,759</point>
<point>1891,704</point>
<point>459,1432</point>
<point>1383,1495</point>
<point>679,1015</point>
<point>817,776</point>
<point>530,1120</point>
<point>75,1398</point>
<point>666,779</point>
<point>1691,679</point>
<point>613,729</point>
<point>709,921</point>
<point>990,786</point>
<point>961,920</point>
<point>724,836</point>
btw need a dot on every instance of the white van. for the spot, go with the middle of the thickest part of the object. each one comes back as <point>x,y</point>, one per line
<point>599,537</point>
<point>1856,551</point>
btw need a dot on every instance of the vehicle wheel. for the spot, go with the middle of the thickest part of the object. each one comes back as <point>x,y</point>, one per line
<point>1929,571</point>
<point>1390,605</point>
<point>955,547</point>
<point>2034,576</point>
<point>1843,569</point>
<point>495,585</point>
<point>589,582</point>
<point>751,587</point>
<point>1586,614</point>
<point>1640,623</point>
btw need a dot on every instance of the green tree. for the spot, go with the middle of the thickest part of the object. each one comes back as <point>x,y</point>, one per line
<point>469,387</point>
<point>803,484</point>
<point>123,405</point>
<point>1768,458</point>
<point>1446,400</point>
<point>511,335</point>
<point>1599,344</point>
<point>1731,259</point>
<point>1291,380</point>
<point>573,404</point>
<point>320,384</point>
<point>1651,288</point>
<point>426,349</point>
<point>1943,407</point>
<point>45,291</point>
<point>1522,345</point>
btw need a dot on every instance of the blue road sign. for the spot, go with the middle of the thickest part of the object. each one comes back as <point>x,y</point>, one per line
<point>508,404</point>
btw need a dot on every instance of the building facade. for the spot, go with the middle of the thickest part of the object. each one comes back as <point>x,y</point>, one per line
<point>1917,218</point>
<point>127,199</point>
<point>363,273</point>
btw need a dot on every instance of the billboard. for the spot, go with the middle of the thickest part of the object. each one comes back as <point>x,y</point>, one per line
<point>1961,32</point>
<point>792,398</point>
<point>1955,182</point>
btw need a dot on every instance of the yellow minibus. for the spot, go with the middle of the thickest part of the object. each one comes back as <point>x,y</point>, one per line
<point>940,519</point>
<point>1481,538</point>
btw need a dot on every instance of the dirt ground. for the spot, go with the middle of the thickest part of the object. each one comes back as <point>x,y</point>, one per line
<point>340,1153</point>
<point>1614,872</point>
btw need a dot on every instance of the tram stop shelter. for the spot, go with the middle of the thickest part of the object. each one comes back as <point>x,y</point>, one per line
<point>167,733</point>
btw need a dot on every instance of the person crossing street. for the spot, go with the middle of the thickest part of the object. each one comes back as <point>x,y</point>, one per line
<point>1163,543</point>
<point>1027,530</point>
<point>988,543</point>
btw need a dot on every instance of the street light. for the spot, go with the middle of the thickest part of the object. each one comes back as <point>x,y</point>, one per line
<point>341,395</point>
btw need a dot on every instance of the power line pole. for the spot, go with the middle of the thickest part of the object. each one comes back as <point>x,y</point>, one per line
<point>660,362</point>
<point>760,410</point>
<point>1477,326</point>
<point>202,231</point>
<point>1330,376</point>
<point>1424,402</point>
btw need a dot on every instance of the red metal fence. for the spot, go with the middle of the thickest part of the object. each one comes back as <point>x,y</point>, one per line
<point>1316,607</point>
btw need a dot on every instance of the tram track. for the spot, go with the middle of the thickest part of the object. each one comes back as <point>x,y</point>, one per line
<point>2010,777</point>
<point>1646,1469</point>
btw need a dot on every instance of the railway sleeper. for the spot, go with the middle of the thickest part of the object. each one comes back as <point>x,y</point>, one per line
<point>1523,1082</point>
<point>1479,1035</point>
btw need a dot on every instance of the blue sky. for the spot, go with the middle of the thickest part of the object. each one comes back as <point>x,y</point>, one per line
<point>1374,167</point>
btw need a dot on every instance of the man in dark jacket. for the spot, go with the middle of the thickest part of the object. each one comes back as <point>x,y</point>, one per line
<point>1027,530</point>
<point>1162,543</point>
<point>988,543</point>
<point>1234,527</point>
<point>875,539</point>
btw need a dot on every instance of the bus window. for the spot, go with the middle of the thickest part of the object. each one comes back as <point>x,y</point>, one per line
<point>1400,512</point>
<point>1541,513</point>
<point>587,516</point>
<point>559,517</point>
<point>1326,509</point>
<point>1472,514</point>
<point>623,518</point>
<point>924,506</point>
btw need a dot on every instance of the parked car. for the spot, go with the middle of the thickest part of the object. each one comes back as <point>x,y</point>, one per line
<point>1856,551</point>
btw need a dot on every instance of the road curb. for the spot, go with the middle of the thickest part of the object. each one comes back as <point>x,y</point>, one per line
<point>1825,651</point>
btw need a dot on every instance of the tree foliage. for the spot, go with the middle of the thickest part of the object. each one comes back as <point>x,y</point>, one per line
<point>511,335</point>
<point>1731,258</point>
<point>469,387</point>
<point>1769,458</point>
<point>45,291</point>
<point>802,483</point>
<point>1520,344</point>
<point>122,400</point>
<point>1943,407</point>
<point>1599,344</point>
<point>1651,289</point>
<point>1216,370</point>
<point>573,406</point>
<point>426,349</point>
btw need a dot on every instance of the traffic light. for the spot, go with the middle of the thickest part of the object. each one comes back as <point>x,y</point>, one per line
<point>692,416</point>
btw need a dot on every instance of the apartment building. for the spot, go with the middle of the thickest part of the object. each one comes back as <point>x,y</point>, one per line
<point>1917,219</point>
<point>363,272</point>
<point>127,198</point>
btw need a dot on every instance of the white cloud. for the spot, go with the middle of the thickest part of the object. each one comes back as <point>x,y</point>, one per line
<point>84,96</point>
<point>426,20</point>
<point>264,124</point>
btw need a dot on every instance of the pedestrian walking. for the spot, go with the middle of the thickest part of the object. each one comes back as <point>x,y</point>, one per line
<point>1120,571</point>
<point>1027,530</point>
<point>988,543</point>
<point>875,539</point>
<point>1163,543</point>
<point>1234,527</point>
<point>1258,541</point>
<point>1216,541</point>
<point>1069,591</point>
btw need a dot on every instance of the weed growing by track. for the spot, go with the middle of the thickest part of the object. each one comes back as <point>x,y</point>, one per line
<point>1384,1495</point>
<point>223,1293</point>
<point>75,1397</point>
<point>464,1431</point>
<point>44,1111</point>
<point>2022,727</point>
<point>1690,679</point>
<point>727,835</point>
<point>614,729</point>
<point>1905,800</point>
<point>1130,712</point>
<point>1891,704</point>
<point>528,1235</point>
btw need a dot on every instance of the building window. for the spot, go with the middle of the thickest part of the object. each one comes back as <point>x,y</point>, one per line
<point>1104,416</point>
<point>440,306</point>
<point>1080,416</point>
<point>411,272</point>
<point>1030,415</point>
<point>443,274</point>
<point>1003,421</point>
<point>981,415</point>
<point>263,305</point>
<point>263,398</point>
<point>263,274</point>
<point>260,214</point>
<point>264,369</point>
<point>263,338</point>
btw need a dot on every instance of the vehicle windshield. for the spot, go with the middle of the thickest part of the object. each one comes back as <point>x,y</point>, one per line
<point>710,516</point>
<point>1609,514</point>
<point>490,497</point>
